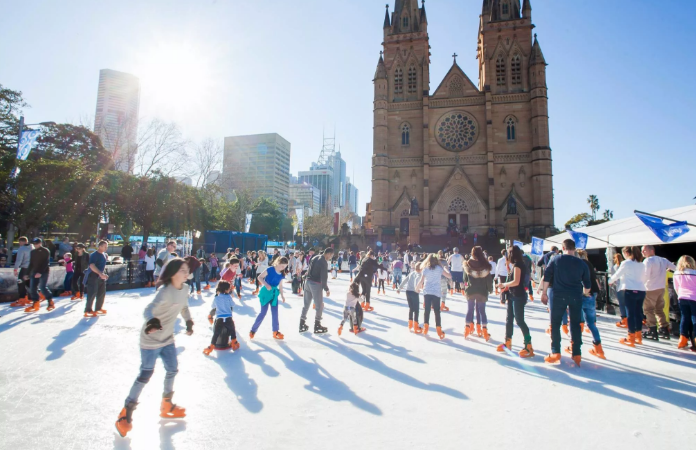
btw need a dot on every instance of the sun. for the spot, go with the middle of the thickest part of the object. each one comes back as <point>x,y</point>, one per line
<point>174,74</point>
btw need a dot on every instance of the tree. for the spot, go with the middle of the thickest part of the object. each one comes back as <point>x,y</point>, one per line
<point>206,158</point>
<point>161,148</point>
<point>578,221</point>
<point>608,215</point>
<point>593,201</point>
<point>318,227</point>
<point>267,218</point>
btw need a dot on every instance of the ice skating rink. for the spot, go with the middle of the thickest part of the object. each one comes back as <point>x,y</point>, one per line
<point>64,380</point>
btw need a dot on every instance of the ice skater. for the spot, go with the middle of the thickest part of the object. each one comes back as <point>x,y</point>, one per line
<point>222,311</point>
<point>410,283</point>
<point>350,312</point>
<point>478,280</point>
<point>271,280</point>
<point>157,341</point>
<point>430,284</point>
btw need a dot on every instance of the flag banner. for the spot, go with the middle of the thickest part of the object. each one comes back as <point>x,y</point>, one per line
<point>15,172</point>
<point>299,212</point>
<point>26,143</point>
<point>247,224</point>
<point>579,238</point>
<point>665,233</point>
<point>537,246</point>
<point>518,244</point>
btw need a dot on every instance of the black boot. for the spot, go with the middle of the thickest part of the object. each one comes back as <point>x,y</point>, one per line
<point>651,334</point>
<point>664,333</point>
<point>318,329</point>
<point>303,326</point>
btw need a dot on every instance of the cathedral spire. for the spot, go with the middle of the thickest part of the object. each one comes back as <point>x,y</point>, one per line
<point>537,56</point>
<point>527,9</point>
<point>381,72</point>
<point>486,8</point>
<point>387,22</point>
<point>505,10</point>
<point>423,17</point>
<point>406,16</point>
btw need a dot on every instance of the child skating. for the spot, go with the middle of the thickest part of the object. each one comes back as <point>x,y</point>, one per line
<point>222,311</point>
<point>410,283</point>
<point>157,341</point>
<point>271,280</point>
<point>350,311</point>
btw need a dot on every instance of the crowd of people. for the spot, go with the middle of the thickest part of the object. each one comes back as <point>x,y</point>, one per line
<point>566,282</point>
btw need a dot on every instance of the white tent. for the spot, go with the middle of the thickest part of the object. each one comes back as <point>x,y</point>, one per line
<point>629,231</point>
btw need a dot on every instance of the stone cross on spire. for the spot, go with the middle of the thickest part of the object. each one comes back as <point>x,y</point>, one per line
<point>455,58</point>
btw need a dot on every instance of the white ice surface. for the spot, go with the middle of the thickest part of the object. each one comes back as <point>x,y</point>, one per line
<point>64,380</point>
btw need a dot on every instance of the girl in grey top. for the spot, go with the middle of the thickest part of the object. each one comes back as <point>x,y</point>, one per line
<point>430,285</point>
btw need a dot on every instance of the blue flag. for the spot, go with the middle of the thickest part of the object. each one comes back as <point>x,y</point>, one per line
<point>537,246</point>
<point>664,232</point>
<point>518,244</point>
<point>579,238</point>
<point>26,143</point>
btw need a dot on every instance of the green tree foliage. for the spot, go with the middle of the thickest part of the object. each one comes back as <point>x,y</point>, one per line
<point>593,201</point>
<point>578,221</point>
<point>267,218</point>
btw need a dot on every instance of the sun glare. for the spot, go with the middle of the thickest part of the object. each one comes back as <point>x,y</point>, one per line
<point>174,74</point>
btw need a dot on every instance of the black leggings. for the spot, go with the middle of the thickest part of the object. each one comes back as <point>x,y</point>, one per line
<point>515,310</point>
<point>77,282</point>
<point>432,301</point>
<point>380,285</point>
<point>412,299</point>
<point>149,276</point>
<point>219,325</point>
<point>366,284</point>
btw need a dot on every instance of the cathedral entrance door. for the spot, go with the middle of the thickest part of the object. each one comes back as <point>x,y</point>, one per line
<point>404,226</point>
<point>463,221</point>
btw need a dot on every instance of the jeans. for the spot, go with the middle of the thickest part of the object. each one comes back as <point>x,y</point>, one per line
<point>340,263</point>
<point>21,283</point>
<point>398,273</point>
<point>213,273</point>
<point>621,296</point>
<point>515,310</point>
<point>196,281</point>
<point>413,306</point>
<point>96,288</point>
<point>480,307</point>
<point>549,293</point>
<point>313,291</point>
<point>352,267</point>
<point>67,283</point>
<point>634,310</point>
<point>238,286</point>
<point>560,308</point>
<point>458,279</point>
<point>262,315</point>
<point>432,301</point>
<point>220,324</point>
<point>688,317</point>
<point>39,284</point>
<point>589,310</point>
<point>148,357</point>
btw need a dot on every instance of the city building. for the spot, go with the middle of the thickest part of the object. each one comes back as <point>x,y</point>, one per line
<point>352,196</point>
<point>260,164</point>
<point>116,118</point>
<point>475,157</point>
<point>305,196</point>
<point>320,176</point>
<point>338,190</point>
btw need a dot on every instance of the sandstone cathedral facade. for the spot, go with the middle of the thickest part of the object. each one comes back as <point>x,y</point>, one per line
<point>464,157</point>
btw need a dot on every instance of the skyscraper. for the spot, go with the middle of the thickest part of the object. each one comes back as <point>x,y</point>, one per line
<point>305,196</point>
<point>320,176</point>
<point>338,190</point>
<point>260,164</point>
<point>351,196</point>
<point>116,119</point>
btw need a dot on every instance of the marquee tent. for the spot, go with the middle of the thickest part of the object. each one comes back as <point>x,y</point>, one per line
<point>629,231</point>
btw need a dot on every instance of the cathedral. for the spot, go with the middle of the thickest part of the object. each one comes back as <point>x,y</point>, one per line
<point>463,158</point>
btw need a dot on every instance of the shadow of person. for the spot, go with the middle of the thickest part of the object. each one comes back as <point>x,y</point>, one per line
<point>372,363</point>
<point>382,345</point>
<point>67,337</point>
<point>167,430</point>
<point>121,443</point>
<point>320,381</point>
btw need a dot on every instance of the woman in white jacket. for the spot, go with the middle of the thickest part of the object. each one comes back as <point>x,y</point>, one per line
<point>630,277</point>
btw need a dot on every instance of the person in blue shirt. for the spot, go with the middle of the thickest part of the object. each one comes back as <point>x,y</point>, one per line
<point>96,280</point>
<point>271,280</point>
<point>222,310</point>
<point>571,279</point>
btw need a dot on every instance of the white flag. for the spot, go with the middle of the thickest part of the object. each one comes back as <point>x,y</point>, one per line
<point>26,143</point>
<point>247,225</point>
<point>299,212</point>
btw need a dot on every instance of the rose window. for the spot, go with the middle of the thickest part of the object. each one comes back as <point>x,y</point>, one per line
<point>457,131</point>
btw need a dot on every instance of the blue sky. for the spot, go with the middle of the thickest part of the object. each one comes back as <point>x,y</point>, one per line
<point>620,78</point>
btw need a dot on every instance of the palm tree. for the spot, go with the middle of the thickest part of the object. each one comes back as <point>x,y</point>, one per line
<point>593,201</point>
<point>608,214</point>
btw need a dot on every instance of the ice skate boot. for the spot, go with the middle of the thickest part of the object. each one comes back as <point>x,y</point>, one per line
<point>426,327</point>
<point>303,326</point>
<point>278,335</point>
<point>506,346</point>
<point>252,334</point>
<point>33,308</point>
<point>443,307</point>
<point>565,329</point>
<point>577,359</point>
<point>479,333</point>
<point>208,350</point>
<point>630,340</point>
<point>357,330</point>
<point>169,410</point>
<point>638,337</point>
<point>410,325</point>
<point>651,334</point>
<point>664,333</point>
<point>623,323</point>
<point>340,330</point>
<point>416,328</point>
<point>101,312</point>
<point>486,336</point>
<point>51,306</point>
<point>468,330</point>
<point>318,329</point>
<point>368,308</point>
<point>234,344</point>
<point>440,333</point>
<point>553,358</point>
<point>598,351</point>
<point>683,342</point>
<point>125,418</point>
<point>23,302</point>
<point>527,351</point>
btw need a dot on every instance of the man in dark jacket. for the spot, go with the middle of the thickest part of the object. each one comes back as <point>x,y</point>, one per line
<point>317,276</point>
<point>368,268</point>
<point>38,272</point>
<point>80,264</point>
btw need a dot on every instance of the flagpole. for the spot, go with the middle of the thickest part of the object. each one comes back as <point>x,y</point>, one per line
<point>663,218</point>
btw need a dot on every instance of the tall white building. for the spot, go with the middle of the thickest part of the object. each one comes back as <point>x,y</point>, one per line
<point>116,119</point>
<point>351,196</point>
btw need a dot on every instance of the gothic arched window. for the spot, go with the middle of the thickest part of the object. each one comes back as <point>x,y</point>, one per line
<point>511,132</point>
<point>412,80</point>
<point>506,8</point>
<point>398,81</point>
<point>405,135</point>
<point>404,22</point>
<point>500,71</point>
<point>516,69</point>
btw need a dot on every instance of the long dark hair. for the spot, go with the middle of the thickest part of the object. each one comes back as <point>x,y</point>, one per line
<point>477,253</point>
<point>515,255</point>
<point>354,289</point>
<point>169,270</point>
